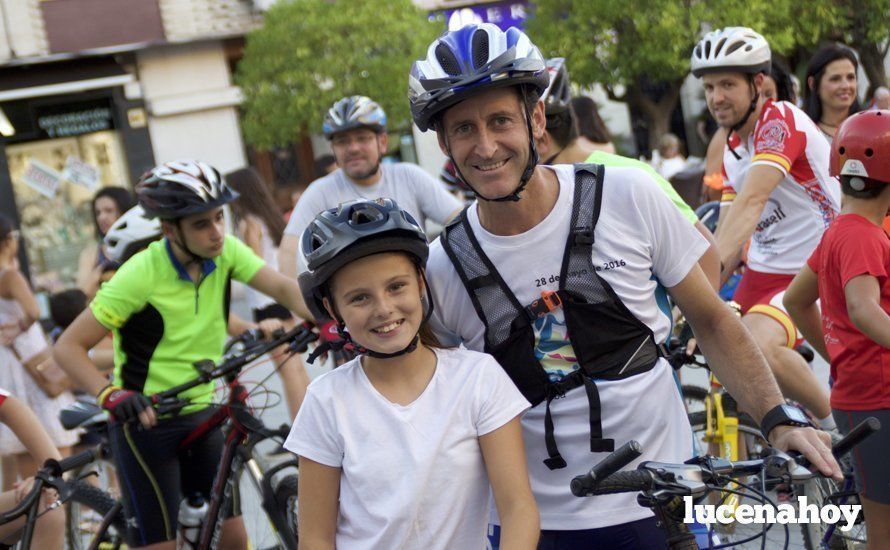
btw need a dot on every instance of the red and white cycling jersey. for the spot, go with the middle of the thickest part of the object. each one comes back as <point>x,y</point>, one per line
<point>804,203</point>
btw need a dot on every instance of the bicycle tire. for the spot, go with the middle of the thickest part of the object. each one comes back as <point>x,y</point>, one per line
<point>96,499</point>
<point>693,397</point>
<point>286,496</point>
<point>818,490</point>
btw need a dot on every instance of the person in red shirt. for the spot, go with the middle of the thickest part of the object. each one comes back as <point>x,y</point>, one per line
<point>849,273</point>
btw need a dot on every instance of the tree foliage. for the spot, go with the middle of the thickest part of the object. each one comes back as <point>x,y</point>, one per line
<point>311,53</point>
<point>624,45</point>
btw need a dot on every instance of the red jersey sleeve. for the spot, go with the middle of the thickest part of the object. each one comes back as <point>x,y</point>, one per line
<point>862,253</point>
<point>3,395</point>
<point>777,141</point>
<point>815,260</point>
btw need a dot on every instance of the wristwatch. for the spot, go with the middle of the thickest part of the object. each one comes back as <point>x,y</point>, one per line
<point>783,415</point>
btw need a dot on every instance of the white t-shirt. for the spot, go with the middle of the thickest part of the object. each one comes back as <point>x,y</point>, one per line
<point>804,203</point>
<point>412,188</point>
<point>641,240</point>
<point>412,476</point>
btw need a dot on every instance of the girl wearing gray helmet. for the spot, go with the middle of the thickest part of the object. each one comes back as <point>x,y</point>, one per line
<point>398,447</point>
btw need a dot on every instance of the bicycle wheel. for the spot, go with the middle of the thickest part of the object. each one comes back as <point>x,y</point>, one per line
<point>820,535</point>
<point>694,397</point>
<point>754,445</point>
<point>86,508</point>
<point>286,497</point>
<point>262,533</point>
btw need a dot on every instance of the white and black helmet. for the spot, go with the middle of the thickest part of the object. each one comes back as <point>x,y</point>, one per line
<point>182,188</point>
<point>733,49</point>
<point>461,63</point>
<point>131,233</point>
<point>558,94</point>
<point>355,111</point>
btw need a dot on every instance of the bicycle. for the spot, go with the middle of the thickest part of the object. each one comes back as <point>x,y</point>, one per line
<point>662,486</point>
<point>50,476</point>
<point>277,497</point>
<point>90,505</point>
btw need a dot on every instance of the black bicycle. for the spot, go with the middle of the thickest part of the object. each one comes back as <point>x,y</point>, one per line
<point>50,477</point>
<point>662,486</point>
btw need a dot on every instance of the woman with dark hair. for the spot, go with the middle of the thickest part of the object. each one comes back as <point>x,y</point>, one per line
<point>831,87</point>
<point>109,203</point>
<point>260,225</point>
<point>591,127</point>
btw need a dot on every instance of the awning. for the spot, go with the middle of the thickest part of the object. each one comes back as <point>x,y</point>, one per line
<point>66,77</point>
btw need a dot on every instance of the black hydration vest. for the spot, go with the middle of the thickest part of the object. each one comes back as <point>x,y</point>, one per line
<point>609,341</point>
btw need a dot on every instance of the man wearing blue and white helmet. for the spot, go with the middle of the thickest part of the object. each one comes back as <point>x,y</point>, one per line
<point>355,126</point>
<point>555,272</point>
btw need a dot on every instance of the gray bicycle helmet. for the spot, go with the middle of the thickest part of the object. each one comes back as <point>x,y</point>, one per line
<point>353,230</point>
<point>558,94</point>
<point>182,188</point>
<point>351,112</point>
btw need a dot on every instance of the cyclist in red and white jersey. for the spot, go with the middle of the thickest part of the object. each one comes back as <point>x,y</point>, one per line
<point>778,194</point>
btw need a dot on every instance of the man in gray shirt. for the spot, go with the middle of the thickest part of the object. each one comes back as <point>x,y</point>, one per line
<point>356,128</point>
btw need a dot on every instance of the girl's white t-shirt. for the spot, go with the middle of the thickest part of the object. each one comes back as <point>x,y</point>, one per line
<point>412,476</point>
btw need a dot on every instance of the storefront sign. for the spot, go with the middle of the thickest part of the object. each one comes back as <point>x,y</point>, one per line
<point>502,14</point>
<point>82,173</point>
<point>75,123</point>
<point>41,178</point>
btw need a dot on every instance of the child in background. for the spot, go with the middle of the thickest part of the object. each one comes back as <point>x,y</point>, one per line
<point>849,273</point>
<point>398,446</point>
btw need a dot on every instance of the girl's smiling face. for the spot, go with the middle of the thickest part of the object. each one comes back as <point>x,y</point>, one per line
<point>378,298</point>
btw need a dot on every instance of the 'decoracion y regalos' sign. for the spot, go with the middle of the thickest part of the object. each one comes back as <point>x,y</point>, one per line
<point>75,119</point>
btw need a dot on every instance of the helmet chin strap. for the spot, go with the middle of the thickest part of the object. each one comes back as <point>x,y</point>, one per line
<point>533,158</point>
<point>735,127</point>
<point>180,242</point>
<point>341,330</point>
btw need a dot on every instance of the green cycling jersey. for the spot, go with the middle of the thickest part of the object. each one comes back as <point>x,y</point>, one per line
<point>163,321</point>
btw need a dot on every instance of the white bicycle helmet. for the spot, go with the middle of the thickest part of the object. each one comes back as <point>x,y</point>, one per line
<point>131,233</point>
<point>182,188</point>
<point>734,49</point>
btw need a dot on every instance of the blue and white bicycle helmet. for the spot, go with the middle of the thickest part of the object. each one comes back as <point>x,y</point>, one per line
<point>473,59</point>
<point>351,112</point>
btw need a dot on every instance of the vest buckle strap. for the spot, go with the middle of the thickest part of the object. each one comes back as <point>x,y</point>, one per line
<point>582,236</point>
<point>549,301</point>
<point>555,462</point>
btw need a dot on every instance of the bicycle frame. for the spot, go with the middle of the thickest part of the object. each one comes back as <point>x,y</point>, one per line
<point>244,432</point>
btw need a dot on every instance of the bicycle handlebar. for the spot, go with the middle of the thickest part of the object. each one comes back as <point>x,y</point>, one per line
<point>608,466</point>
<point>297,339</point>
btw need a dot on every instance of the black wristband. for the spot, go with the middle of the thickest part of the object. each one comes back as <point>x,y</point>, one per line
<point>783,415</point>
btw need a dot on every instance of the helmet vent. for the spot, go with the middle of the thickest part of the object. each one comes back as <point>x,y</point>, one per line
<point>446,60</point>
<point>869,152</point>
<point>719,46</point>
<point>480,48</point>
<point>842,150</point>
<point>698,50</point>
<point>708,48</point>
<point>734,46</point>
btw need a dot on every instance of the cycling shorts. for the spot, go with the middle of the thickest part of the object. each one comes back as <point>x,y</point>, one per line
<point>869,457</point>
<point>155,475</point>
<point>762,293</point>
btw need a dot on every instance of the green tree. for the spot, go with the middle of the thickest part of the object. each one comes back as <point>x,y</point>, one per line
<point>630,44</point>
<point>311,53</point>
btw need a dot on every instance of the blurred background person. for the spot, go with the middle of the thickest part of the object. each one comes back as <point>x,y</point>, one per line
<point>591,128</point>
<point>260,225</point>
<point>831,87</point>
<point>22,343</point>
<point>108,205</point>
<point>670,159</point>
<point>881,99</point>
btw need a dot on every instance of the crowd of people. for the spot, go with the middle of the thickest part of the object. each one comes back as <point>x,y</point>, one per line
<point>496,362</point>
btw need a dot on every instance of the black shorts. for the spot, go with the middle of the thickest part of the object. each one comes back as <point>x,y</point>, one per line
<point>271,311</point>
<point>869,457</point>
<point>154,476</point>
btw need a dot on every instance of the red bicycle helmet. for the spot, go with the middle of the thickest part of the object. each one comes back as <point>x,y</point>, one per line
<point>861,147</point>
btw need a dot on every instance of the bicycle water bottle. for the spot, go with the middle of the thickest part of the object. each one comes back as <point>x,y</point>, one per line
<point>191,514</point>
